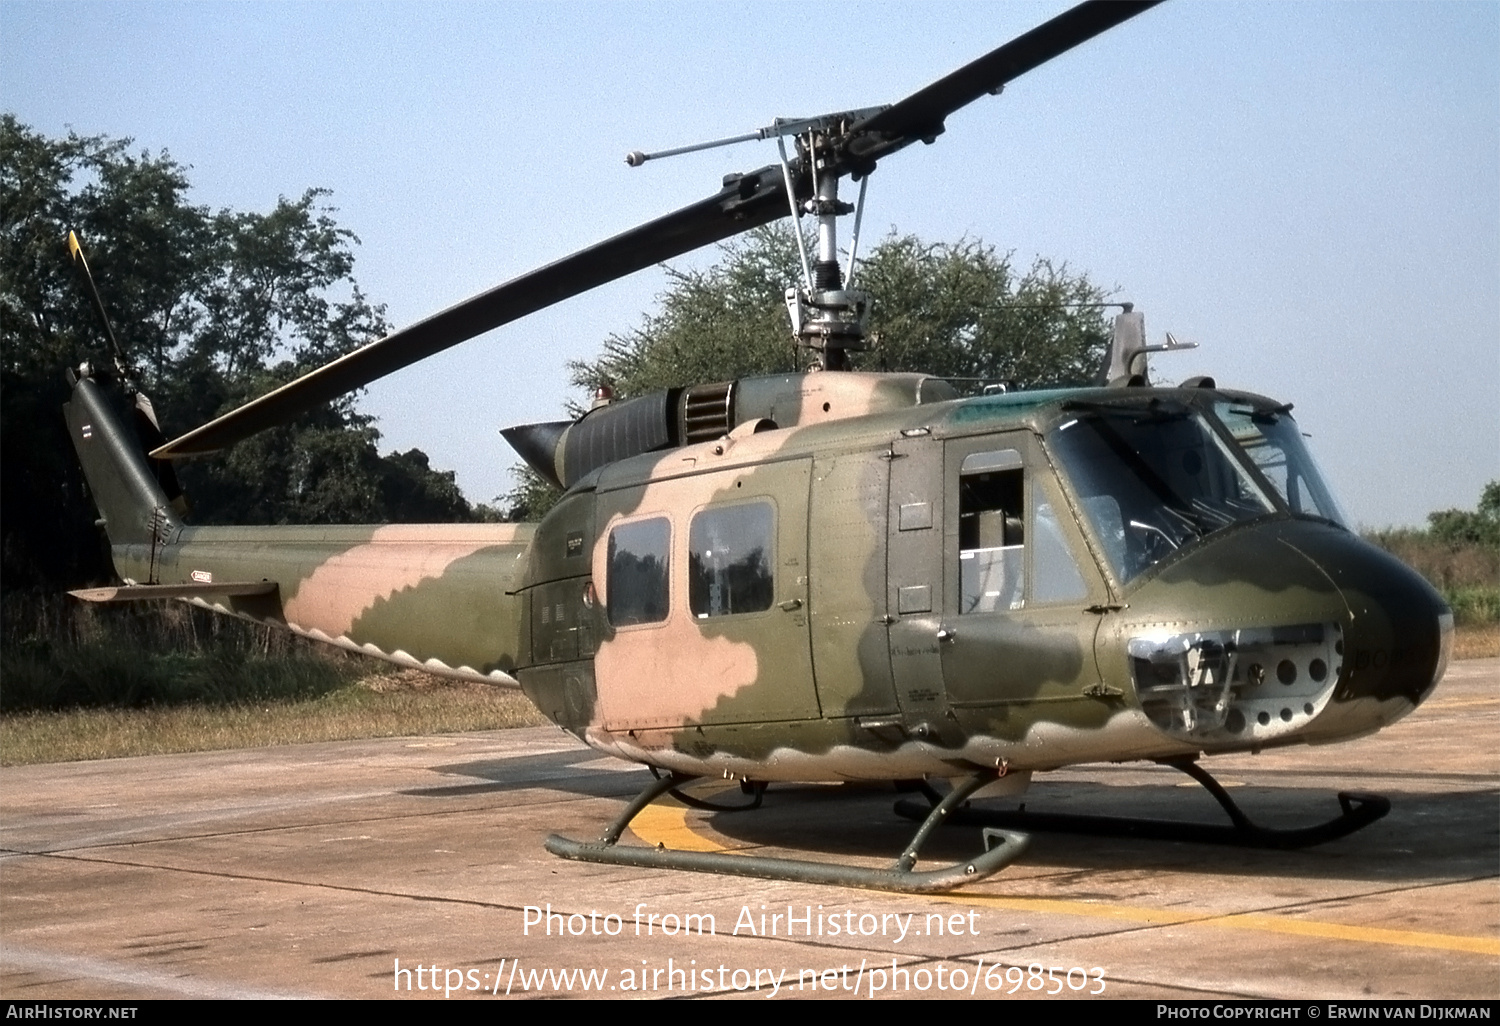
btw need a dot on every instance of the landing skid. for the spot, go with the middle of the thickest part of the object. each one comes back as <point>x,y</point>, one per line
<point>1002,847</point>
<point>1359,810</point>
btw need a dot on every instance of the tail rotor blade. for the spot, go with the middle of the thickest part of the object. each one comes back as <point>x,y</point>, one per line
<point>75,250</point>
<point>147,429</point>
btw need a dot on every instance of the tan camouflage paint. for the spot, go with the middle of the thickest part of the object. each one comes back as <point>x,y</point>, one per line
<point>683,670</point>
<point>803,400</point>
<point>396,557</point>
<point>334,583</point>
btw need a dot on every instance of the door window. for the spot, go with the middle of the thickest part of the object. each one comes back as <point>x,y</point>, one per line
<point>730,556</point>
<point>991,531</point>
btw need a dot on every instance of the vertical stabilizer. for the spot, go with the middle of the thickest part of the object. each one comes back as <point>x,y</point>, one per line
<point>134,508</point>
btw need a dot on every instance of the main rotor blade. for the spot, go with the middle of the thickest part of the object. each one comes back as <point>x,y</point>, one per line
<point>921,115</point>
<point>745,202</point>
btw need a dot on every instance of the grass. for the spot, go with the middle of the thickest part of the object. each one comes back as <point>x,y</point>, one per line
<point>1476,606</point>
<point>56,654</point>
<point>1467,574</point>
<point>395,704</point>
<point>1477,642</point>
<point>81,682</point>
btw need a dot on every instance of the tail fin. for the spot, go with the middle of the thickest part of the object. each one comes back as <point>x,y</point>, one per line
<point>125,487</point>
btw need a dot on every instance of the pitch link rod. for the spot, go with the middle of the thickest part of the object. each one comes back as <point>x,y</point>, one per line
<point>776,129</point>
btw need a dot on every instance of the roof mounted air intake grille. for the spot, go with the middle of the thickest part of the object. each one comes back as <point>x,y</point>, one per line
<point>707,412</point>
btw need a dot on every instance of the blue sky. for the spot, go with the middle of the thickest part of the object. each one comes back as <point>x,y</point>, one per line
<point>1310,191</point>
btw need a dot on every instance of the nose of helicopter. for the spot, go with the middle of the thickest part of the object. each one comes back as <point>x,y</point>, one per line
<point>1397,637</point>
<point>1282,630</point>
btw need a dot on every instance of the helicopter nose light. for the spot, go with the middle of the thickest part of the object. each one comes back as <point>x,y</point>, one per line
<point>1237,685</point>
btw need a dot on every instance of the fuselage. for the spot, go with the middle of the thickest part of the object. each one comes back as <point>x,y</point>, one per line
<point>1028,580</point>
<point>1025,581</point>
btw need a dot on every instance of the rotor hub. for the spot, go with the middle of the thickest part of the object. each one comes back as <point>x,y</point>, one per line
<point>834,319</point>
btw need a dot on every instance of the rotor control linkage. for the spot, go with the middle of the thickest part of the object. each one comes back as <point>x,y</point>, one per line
<point>1359,810</point>
<point>1002,847</point>
<point>775,130</point>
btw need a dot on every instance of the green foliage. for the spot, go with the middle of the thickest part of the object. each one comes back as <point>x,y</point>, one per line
<point>214,308</point>
<point>957,310</point>
<point>1474,606</point>
<point>724,322</point>
<point>532,496</point>
<point>962,311</point>
<point>1459,554</point>
<point>57,654</point>
<point>1480,527</point>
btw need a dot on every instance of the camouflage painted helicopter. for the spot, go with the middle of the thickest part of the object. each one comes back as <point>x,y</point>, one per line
<point>836,575</point>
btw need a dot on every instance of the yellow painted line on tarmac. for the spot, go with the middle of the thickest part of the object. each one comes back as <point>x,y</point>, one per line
<point>1362,934</point>
<point>1461,703</point>
<point>667,824</point>
<point>1256,921</point>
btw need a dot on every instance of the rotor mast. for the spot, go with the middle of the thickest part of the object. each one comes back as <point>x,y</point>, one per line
<point>827,314</point>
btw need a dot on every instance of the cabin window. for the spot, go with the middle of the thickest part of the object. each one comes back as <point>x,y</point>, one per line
<point>730,552</point>
<point>991,531</point>
<point>638,572</point>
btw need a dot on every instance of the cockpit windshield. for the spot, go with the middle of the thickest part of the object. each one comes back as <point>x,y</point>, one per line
<point>1153,477</point>
<point>1271,439</point>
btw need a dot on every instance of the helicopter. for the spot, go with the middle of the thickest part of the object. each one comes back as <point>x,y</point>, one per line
<point>839,575</point>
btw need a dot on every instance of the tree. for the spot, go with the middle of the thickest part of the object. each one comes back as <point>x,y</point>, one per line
<point>214,308</point>
<point>1480,526</point>
<point>958,310</point>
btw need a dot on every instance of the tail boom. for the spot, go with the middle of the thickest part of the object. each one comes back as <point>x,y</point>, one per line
<point>442,598</point>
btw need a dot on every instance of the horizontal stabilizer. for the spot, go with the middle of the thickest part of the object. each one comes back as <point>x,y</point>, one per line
<point>140,592</point>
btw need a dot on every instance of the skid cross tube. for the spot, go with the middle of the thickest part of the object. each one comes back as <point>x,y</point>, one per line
<point>1359,810</point>
<point>755,789</point>
<point>1002,847</point>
